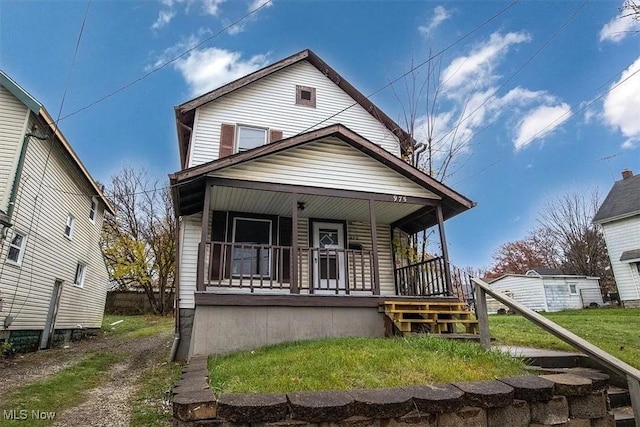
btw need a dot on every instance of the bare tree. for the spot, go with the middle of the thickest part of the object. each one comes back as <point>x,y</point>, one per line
<point>138,243</point>
<point>567,219</point>
<point>433,152</point>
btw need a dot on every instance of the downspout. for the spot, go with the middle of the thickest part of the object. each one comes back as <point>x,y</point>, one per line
<point>176,295</point>
<point>16,179</point>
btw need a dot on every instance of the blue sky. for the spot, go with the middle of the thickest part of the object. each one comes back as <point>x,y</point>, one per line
<point>533,86</point>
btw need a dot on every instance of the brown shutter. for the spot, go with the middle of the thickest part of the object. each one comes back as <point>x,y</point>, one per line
<point>286,236</point>
<point>227,139</point>
<point>275,135</point>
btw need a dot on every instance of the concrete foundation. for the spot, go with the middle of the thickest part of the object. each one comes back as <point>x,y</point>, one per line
<point>224,329</point>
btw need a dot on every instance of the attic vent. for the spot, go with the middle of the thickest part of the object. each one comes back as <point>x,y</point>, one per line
<point>306,96</point>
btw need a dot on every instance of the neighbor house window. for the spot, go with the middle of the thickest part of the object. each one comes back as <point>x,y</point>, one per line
<point>81,272</point>
<point>573,288</point>
<point>251,251</point>
<point>306,95</point>
<point>68,228</point>
<point>93,208</point>
<point>250,137</point>
<point>16,248</point>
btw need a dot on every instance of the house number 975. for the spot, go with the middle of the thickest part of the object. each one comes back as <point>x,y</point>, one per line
<point>400,199</point>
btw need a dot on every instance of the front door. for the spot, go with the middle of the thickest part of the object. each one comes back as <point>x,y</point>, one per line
<point>328,257</point>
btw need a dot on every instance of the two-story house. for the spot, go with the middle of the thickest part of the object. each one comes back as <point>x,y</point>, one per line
<point>619,217</point>
<point>53,279</point>
<point>295,206</point>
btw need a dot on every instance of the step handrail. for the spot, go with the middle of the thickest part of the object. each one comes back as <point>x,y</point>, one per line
<point>632,374</point>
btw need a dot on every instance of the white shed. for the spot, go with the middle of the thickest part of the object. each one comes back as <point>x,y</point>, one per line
<point>547,290</point>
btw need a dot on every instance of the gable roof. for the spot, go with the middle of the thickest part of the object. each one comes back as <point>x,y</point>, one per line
<point>622,201</point>
<point>38,109</point>
<point>189,184</point>
<point>185,113</point>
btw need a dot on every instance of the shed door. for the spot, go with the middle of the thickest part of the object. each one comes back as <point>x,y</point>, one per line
<point>557,297</point>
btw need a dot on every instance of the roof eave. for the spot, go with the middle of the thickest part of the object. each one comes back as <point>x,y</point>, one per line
<point>44,114</point>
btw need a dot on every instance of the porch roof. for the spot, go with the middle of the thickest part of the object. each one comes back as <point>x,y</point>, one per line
<point>189,185</point>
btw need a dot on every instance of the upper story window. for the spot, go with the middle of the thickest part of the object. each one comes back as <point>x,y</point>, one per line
<point>250,137</point>
<point>68,229</point>
<point>93,208</point>
<point>17,248</point>
<point>239,138</point>
<point>306,95</point>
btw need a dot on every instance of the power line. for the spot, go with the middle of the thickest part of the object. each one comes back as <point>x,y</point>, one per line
<point>165,64</point>
<point>423,63</point>
<point>51,136</point>
<point>550,127</point>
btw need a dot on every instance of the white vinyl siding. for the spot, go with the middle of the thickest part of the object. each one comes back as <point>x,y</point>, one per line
<point>329,163</point>
<point>548,293</point>
<point>13,122</point>
<point>190,232</point>
<point>620,236</point>
<point>525,290</point>
<point>270,103</point>
<point>49,254</point>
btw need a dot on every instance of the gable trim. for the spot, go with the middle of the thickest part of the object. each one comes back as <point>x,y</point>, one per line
<point>346,135</point>
<point>185,116</point>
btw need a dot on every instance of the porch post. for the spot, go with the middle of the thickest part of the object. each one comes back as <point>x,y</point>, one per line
<point>202,247</point>
<point>445,251</point>
<point>374,246</point>
<point>293,264</point>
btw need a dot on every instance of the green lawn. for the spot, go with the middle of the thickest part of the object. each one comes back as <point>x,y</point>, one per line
<point>136,326</point>
<point>615,330</point>
<point>353,363</point>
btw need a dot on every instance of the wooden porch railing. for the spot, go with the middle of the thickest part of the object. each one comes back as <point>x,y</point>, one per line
<point>270,267</point>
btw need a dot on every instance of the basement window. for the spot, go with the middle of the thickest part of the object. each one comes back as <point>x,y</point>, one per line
<point>306,96</point>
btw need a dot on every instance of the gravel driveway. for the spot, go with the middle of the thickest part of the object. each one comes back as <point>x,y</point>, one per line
<point>109,403</point>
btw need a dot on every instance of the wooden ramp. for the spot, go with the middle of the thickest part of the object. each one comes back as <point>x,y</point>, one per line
<point>435,317</point>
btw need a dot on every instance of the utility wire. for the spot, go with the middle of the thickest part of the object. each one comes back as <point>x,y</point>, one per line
<point>420,65</point>
<point>165,64</point>
<point>33,218</point>
<point>550,127</point>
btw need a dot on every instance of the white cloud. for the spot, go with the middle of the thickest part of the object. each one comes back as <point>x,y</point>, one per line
<point>253,7</point>
<point>255,4</point>
<point>477,68</point>
<point>621,108</point>
<point>440,14</point>
<point>211,7</point>
<point>540,122</point>
<point>209,68</point>
<point>619,27</point>
<point>164,17</point>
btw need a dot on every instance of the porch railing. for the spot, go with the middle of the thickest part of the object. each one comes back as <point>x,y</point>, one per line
<point>269,267</point>
<point>429,278</point>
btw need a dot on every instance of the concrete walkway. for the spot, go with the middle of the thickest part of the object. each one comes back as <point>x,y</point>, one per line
<point>530,352</point>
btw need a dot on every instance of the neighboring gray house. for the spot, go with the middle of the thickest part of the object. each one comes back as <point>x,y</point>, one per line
<point>53,279</point>
<point>294,202</point>
<point>547,290</point>
<point>619,217</point>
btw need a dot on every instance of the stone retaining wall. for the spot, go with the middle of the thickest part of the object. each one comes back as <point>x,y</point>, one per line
<point>560,400</point>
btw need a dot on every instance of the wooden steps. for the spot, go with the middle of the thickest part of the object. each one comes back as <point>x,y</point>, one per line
<point>436,317</point>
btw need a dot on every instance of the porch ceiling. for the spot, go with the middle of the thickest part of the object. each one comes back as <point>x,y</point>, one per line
<point>315,206</point>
